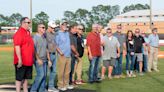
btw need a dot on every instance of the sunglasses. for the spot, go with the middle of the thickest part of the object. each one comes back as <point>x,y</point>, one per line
<point>52,28</point>
<point>27,22</point>
<point>81,29</point>
<point>42,27</point>
<point>109,32</point>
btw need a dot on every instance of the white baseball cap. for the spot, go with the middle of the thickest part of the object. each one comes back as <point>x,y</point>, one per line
<point>52,24</point>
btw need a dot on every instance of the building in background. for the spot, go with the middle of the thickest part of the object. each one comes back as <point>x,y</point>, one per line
<point>140,19</point>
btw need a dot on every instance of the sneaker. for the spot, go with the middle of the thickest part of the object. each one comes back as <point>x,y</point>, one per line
<point>141,74</point>
<point>102,77</point>
<point>70,87</point>
<point>133,75</point>
<point>156,70</point>
<point>109,77</point>
<point>80,82</point>
<point>73,83</point>
<point>98,81</point>
<point>52,90</point>
<point>62,88</point>
<point>149,71</point>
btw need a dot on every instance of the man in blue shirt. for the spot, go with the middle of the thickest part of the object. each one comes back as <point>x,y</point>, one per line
<point>64,57</point>
<point>153,49</point>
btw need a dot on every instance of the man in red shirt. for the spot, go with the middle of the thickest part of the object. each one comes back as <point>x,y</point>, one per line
<point>94,53</point>
<point>23,54</point>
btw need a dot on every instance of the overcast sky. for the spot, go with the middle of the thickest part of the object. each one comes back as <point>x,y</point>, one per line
<point>56,8</point>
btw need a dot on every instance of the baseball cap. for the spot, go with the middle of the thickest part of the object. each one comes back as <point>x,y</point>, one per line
<point>52,24</point>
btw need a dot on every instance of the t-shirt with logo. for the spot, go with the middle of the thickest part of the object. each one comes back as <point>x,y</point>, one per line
<point>138,44</point>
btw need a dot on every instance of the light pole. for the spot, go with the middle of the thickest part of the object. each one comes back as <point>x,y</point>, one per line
<point>150,15</point>
<point>31,13</point>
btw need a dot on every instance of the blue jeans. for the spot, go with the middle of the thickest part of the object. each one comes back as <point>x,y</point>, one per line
<point>40,79</point>
<point>93,69</point>
<point>145,60</point>
<point>118,65</point>
<point>52,76</point>
<point>73,61</point>
<point>132,61</point>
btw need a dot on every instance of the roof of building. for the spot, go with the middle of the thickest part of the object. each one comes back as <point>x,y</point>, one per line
<point>127,17</point>
<point>142,13</point>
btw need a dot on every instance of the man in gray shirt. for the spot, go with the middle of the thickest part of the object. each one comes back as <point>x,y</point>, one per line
<point>121,39</point>
<point>50,37</point>
<point>110,53</point>
<point>42,55</point>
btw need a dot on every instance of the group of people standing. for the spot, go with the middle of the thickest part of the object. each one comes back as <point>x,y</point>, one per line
<point>141,52</point>
<point>60,51</point>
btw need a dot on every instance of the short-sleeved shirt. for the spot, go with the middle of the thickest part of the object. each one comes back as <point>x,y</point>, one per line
<point>63,42</point>
<point>138,44</point>
<point>23,39</point>
<point>73,39</point>
<point>153,40</point>
<point>93,41</point>
<point>110,47</point>
<point>80,46</point>
<point>40,46</point>
<point>50,37</point>
<point>121,39</point>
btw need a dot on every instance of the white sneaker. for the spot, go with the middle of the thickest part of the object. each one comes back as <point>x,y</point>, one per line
<point>62,88</point>
<point>141,74</point>
<point>52,90</point>
<point>149,71</point>
<point>70,87</point>
<point>156,70</point>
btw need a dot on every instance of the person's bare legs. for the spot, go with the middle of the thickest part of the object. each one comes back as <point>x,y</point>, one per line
<point>18,86</point>
<point>140,66</point>
<point>103,72</point>
<point>110,69</point>
<point>25,86</point>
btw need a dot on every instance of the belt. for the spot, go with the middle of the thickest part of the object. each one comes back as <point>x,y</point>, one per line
<point>52,53</point>
<point>154,47</point>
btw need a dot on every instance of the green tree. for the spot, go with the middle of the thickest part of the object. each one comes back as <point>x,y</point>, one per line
<point>135,7</point>
<point>41,17</point>
<point>15,19</point>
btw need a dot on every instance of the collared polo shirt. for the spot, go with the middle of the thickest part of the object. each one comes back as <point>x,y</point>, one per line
<point>153,40</point>
<point>23,39</point>
<point>93,41</point>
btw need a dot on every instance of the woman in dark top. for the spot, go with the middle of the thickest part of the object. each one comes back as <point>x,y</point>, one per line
<point>130,54</point>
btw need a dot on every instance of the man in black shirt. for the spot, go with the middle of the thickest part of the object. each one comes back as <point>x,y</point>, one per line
<point>80,49</point>
<point>74,52</point>
<point>138,44</point>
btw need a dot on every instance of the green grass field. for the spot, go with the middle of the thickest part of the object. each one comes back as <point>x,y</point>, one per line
<point>150,82</point>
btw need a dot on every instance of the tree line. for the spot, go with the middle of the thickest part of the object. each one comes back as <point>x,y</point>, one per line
<point>98,14</point>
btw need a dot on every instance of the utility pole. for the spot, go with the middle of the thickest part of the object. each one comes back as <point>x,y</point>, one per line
<point>151,15</point>
<point>31,13</point>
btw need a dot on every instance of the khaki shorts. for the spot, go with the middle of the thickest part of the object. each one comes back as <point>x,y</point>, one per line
<point>139,56</point>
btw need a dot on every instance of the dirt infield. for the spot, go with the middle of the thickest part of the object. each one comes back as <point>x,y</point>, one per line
<point>160,54</point>
<point>6,48</point>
